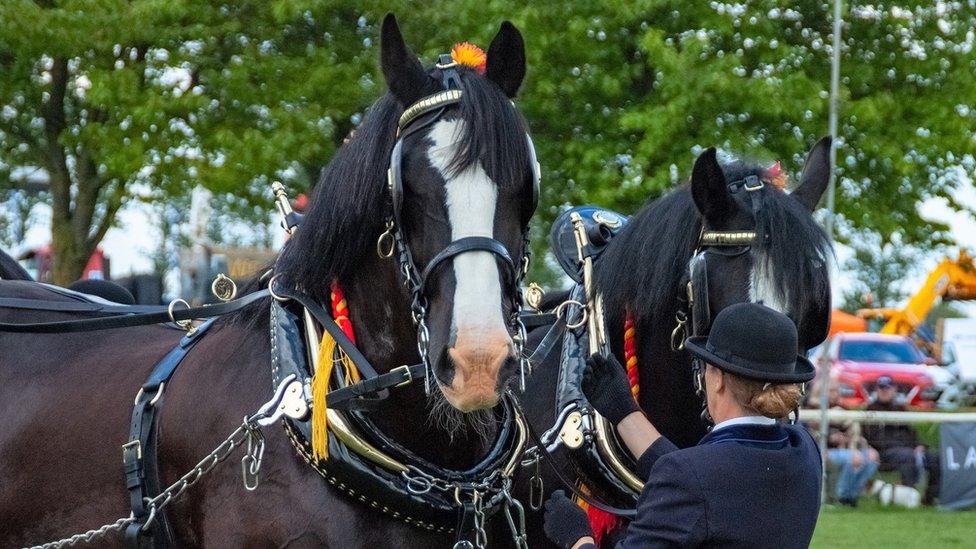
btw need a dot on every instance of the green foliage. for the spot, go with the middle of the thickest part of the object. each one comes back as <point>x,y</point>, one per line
<point>620,96</point>
<point>879,268</point>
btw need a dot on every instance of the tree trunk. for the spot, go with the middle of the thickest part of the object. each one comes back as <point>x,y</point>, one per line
<point>69,257</point>
<point>75,232</point>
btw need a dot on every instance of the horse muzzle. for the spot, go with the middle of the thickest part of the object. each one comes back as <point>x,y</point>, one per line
<point>478,357</point>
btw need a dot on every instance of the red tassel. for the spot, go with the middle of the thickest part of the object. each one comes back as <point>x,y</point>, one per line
<point>602,523</point>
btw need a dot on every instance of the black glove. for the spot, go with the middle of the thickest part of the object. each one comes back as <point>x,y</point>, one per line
<point>606,386</point>
<point>565,521</point>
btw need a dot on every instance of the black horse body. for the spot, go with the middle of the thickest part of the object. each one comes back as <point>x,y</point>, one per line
<point>66,399</point>
<point>644,271</point>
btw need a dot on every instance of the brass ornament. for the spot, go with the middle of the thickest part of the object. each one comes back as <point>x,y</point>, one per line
<point>534,295</point>
<point>607,219</point>
<point>223,288</point>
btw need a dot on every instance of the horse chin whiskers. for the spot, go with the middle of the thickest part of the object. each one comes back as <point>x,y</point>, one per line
<point>478,424</point>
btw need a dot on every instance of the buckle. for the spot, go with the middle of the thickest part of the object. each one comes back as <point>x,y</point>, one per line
<point>753,183</point>
<point>155,398</point>
<point>407,378</point>
<point>130,445</point>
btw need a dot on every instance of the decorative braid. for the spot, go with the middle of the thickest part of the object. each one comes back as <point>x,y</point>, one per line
<point>630,354</point>
<point>340,311</point>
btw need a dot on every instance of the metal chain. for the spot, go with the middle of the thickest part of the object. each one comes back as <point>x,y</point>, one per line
<point>418,303</point>
<point>519,535</point>
<point>90,535</point>
<point>480,536</point>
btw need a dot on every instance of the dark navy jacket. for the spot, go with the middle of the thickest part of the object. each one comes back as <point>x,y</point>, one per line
<point>742,486</point>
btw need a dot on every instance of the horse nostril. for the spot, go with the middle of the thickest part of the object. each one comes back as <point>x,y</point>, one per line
<point>444,368</point>
<point>507,371</point>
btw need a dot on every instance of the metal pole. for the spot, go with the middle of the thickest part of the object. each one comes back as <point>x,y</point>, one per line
<point>834,93</point>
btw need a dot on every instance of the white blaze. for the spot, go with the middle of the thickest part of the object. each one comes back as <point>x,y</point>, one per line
<point>471,200</point>
<point>762,285</point>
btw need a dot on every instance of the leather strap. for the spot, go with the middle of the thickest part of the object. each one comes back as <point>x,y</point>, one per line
<point>352,397</point>
<point>76,306</point>
<point>537,320</point>
<point>548,342</point>
<point>127,321</point>
<point>470,244</point>
<point>139,457</point>
<point>357,396</point>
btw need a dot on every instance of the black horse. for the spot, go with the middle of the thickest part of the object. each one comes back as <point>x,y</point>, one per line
<point>66,399</point>
<point>10,269</point>
<point>644,271</point>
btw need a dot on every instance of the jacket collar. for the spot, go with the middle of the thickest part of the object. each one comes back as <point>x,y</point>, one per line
<point>745,420</point>
<point>771,437</point>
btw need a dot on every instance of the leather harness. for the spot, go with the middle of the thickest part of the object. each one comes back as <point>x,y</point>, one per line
<point>140,458</point>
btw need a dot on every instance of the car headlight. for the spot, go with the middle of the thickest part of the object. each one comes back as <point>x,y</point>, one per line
<point>846,390</point>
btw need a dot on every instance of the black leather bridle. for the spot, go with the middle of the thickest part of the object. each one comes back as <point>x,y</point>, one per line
<point>393,241</point>
<point>697,311</point>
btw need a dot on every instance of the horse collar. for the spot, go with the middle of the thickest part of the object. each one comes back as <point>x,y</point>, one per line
<point>370,467</point>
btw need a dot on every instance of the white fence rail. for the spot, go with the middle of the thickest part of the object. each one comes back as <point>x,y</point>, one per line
<point>868,416</point>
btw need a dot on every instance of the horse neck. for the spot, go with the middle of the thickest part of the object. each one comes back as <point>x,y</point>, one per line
<point>385,334</point>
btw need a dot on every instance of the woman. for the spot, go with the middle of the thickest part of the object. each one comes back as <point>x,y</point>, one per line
<point>753,481</point>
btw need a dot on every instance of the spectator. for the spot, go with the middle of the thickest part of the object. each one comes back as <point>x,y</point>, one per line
<point>858,462</point>
<point>850,453</point>
<point>899,445</point>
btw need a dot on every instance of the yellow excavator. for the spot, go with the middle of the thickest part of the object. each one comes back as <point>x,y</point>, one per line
<point>952,279</point>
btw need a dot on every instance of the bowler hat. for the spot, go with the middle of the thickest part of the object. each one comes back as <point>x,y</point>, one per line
<point>753,341</point>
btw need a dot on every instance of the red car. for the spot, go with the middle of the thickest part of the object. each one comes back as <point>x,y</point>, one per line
<point>857,361</point>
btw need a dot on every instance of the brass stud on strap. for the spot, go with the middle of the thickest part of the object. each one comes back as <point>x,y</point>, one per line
<point>223,288</point>
<point>534,295</point>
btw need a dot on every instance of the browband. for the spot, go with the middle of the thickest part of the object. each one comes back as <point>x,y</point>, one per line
<point>427,104</point>
<point>727,238</point>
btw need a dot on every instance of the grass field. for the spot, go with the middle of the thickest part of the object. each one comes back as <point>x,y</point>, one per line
<point>873,526</point>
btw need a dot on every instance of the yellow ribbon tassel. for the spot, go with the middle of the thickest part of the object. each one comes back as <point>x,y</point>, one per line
<point>320,389</point>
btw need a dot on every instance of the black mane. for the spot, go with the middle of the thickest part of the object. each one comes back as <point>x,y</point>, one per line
<point>643,269</point>
<point>349,204</point>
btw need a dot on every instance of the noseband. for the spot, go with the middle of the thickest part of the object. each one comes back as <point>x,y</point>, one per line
<point>393,241</point>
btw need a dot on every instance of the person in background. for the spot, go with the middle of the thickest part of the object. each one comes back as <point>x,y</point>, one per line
<point>899,446</point>
<point>753,481</point>
<point>848,451</point>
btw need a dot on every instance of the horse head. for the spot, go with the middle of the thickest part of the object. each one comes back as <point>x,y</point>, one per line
<point>785,264</point>
<point>465,170</point>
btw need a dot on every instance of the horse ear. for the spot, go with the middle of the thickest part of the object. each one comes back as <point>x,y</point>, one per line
<point>506,59</point>
<point>404,74</point>
<point>709,189</point>
<point>816,175</point>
